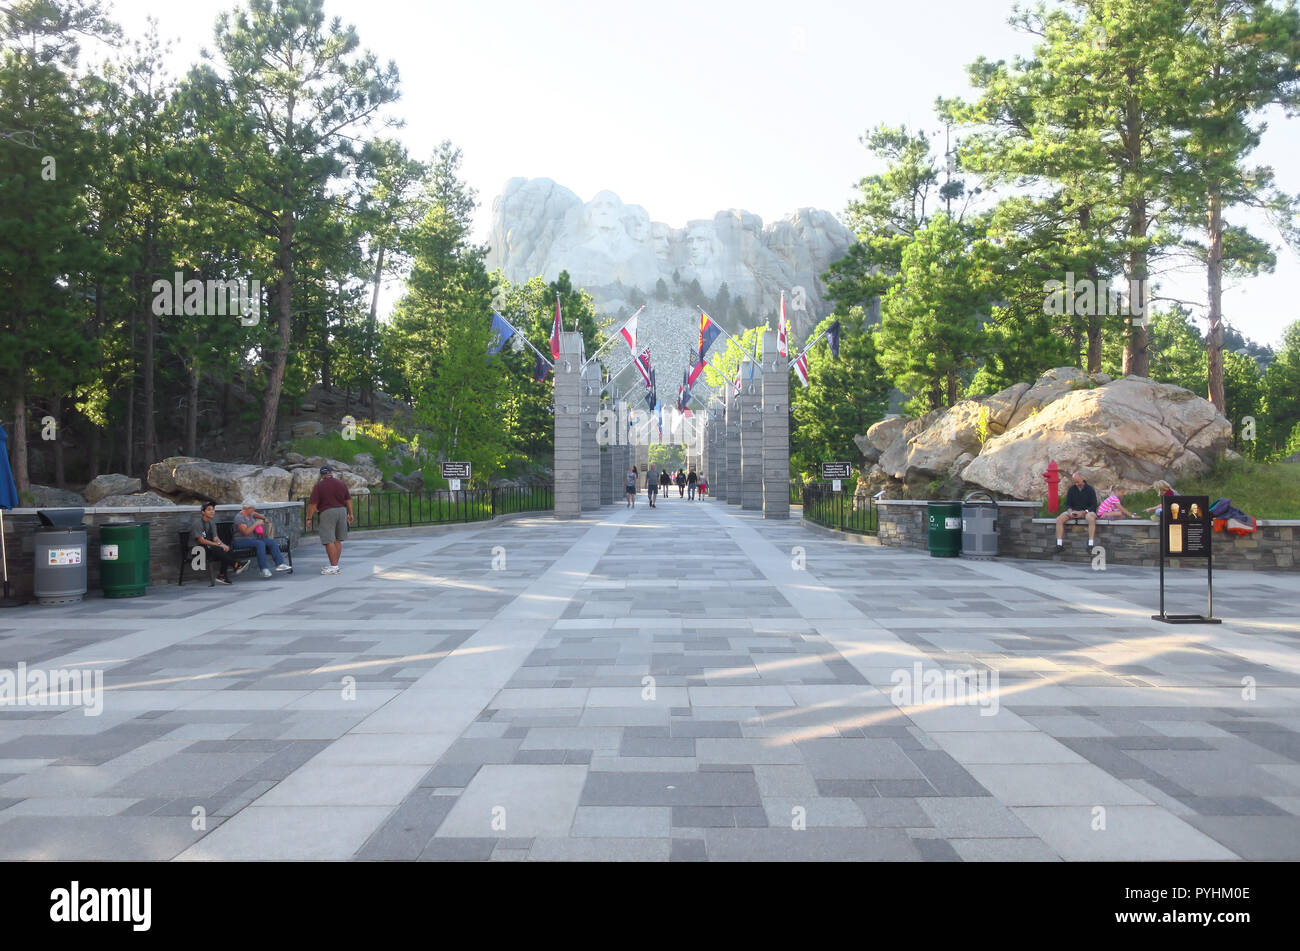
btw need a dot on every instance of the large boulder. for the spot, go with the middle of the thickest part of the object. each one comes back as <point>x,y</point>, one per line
<point>306,429</point>
<point>370,473</point>
<point>931,447</point>
<point>49,497</point>
<point>1051,386</point>
<point>357,484</point>
<point>140,499</point>
<point>160,475</point>
<point>227,482</point>
<point>1126,433</point>
<point>302,481</point>
<point>112,483</point>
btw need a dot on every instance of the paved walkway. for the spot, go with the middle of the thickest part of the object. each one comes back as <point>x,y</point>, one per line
<point>683,683</point>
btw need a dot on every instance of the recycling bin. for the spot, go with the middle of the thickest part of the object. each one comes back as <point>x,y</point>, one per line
<point>945,529</point>
<point>124,559</point>
<point>60,557</point>
<point>979,527</point>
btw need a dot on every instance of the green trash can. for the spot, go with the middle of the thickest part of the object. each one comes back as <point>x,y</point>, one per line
<point>945,529</point>
<point>124,559</point>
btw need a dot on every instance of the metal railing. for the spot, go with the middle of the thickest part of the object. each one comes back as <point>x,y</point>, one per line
<point>835,509</point>
<point>440,506</point>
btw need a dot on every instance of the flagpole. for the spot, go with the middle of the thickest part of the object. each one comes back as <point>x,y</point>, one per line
<point>808,346</point>
<point>614,336</point>
<point>530,346</point>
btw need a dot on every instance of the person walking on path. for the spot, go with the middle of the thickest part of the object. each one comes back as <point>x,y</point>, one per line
<point>664,483</point>
<point>330,497</point>
<point>250,533</point>
<point>652,484</point>
<point>692,484</point>
<point>681,484</point>
<point>629,488</point>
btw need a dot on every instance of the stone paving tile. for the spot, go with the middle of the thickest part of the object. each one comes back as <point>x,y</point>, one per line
<point>771,735</point>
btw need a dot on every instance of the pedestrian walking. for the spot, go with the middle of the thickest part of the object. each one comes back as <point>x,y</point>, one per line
<point>681,484</point>
<point>652,484</point>
<point>664,482</point>
<point>692,483</point>
<point>630,488</point>
<point>330,497</point>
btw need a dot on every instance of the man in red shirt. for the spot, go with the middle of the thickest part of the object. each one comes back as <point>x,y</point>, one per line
<point>330,497</point>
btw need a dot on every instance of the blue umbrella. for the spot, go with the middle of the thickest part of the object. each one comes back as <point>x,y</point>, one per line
<point>8,500</point>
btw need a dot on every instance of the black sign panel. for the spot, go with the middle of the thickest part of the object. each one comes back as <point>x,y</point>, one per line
<point>1185,526</point>
<point>837,470</point>
<point>455,470</point>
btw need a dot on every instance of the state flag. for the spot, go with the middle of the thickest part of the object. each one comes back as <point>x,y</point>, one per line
<point>709,332</point>
<point>629,334</point>
<point>833,337</point>
<point>555,331</point>
<point>503,331</point>
<point>542,368</point>
<point>782,345</point>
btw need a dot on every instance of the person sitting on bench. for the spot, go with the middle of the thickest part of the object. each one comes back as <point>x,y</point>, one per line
<point>1080,502</point>
<point>250,534</point>
<point>203,531</point>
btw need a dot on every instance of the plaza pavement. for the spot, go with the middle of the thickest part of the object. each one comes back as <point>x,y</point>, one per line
<point>427,705</point>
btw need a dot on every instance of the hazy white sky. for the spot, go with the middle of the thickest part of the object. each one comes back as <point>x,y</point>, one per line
<point>687,108</point>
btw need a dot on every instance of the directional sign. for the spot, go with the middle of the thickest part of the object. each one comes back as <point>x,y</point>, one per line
<point>455,470</point>
<point>837,470</point>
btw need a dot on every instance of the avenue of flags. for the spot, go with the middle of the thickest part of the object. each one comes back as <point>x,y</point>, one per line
<point>503,332</point>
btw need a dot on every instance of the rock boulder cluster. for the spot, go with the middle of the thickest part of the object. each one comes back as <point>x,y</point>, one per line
<point>1123,433</point>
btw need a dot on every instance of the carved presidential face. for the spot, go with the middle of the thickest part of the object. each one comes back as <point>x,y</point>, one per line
<point>603,214</point>
<point>637,225</point>
<point>700,242</point>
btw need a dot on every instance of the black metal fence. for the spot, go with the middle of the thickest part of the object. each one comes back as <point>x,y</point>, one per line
<point>835,509</point>
<point>438,506</point>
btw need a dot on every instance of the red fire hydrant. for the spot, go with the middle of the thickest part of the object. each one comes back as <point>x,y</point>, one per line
<point>1053,477</point>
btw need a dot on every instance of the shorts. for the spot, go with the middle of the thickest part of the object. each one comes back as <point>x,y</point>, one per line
<point>333,525</point>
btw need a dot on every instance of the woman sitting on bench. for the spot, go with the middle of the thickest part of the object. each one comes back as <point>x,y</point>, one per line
<point>250,533</point>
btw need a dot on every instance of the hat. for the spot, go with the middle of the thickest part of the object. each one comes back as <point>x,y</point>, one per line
<point>325,469</point>
<point>248,504</point>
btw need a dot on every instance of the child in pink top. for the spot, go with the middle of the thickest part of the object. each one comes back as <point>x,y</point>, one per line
<point>1113,506</point>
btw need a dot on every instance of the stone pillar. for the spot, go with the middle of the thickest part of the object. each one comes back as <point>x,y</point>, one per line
<point>607,474</point>
<point>568,427</point>
<point>732,475</point>
<point>716,424</point>
<point>619,457</point>
<point>776,430</point>
<point>590,446</point>
<point>751,444</point>
<point>702,432</point>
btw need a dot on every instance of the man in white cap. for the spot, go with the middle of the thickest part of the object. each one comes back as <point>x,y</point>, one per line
<point>331,498</point>
<point>250,532</point>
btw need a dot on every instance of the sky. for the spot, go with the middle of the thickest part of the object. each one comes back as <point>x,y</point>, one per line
<point>688,108</point>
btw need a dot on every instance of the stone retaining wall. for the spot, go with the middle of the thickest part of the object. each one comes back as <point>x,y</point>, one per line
<point>164,549</point>
<point>904,524</point>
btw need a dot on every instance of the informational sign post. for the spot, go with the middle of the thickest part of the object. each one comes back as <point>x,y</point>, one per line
<point>455,470</point>
<point>836,470</point>
<point>1187,531</point>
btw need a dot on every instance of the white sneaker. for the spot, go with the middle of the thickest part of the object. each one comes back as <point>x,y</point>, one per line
<point>283,568</point>
<point>266,572</point>
<point>330,570</point>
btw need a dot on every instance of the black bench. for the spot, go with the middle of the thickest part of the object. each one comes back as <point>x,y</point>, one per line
<point>225,532</point>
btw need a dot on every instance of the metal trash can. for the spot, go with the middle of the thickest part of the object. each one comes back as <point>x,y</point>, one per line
<point>60,557</point>
<point>124,559</point>
<point>979,527</point>
<point>945,529</point>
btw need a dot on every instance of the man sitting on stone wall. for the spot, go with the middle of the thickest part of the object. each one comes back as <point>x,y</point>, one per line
<point>1080,502</point>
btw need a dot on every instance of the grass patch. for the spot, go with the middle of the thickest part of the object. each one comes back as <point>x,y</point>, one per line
<point>374,438</point>
<point>1261,489</point>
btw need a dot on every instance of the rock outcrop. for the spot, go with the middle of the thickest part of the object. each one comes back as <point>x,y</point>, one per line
<point>139,499</point>
<point>227,482</point>
<point>112,483</point>
<point>160,475</point>
<point>1122,433</point>
<point>49,497</point>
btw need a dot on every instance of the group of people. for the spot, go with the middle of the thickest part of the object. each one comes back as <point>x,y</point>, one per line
<point>252,531</point>
<point>1081,502</point>
<point>689,484</point>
